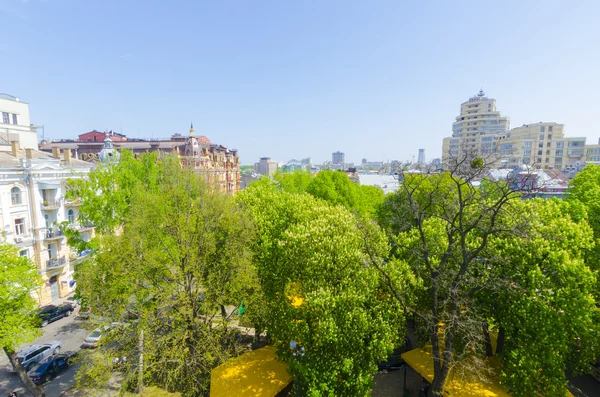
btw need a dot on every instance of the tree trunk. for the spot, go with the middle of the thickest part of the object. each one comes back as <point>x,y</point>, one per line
<point>500,344</point>
<point>488,342</point>
<point>37,391</point>
<point>141,362</point>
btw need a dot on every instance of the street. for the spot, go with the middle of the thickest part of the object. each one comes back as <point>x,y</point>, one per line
<point>70,332</point>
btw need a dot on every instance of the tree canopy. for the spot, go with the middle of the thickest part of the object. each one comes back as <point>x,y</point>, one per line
<point>311,260</point>
<point>19,281</point>
<point>183,252</point>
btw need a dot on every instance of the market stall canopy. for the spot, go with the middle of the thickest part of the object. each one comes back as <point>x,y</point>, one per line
<point>257,373</point>
<point>421,360</point>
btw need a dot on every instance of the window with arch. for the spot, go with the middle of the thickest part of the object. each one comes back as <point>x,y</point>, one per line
<point>71,216</point>
<point>15,196</point>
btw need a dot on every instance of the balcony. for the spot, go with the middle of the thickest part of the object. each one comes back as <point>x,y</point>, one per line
<point>53,234</point>
<point>56,262</point>
<point>78,257</point>
<point>50,205</point>
<point>73,202</point>
<point>82,226</point>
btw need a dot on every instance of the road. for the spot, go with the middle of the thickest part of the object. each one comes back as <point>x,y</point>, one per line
<point>70,332</point>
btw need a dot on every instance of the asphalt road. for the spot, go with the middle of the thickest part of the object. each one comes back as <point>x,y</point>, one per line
<point>70,332</point>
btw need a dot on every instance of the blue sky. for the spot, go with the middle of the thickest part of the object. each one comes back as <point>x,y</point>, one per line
<point>291,79</point>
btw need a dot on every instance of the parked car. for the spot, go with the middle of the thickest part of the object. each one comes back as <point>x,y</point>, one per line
<point>51,313</point>
<point>31,355</point>
<point>49,368</point>
<point>95,338</point>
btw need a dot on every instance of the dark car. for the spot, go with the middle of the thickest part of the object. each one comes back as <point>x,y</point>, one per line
<point>51,313</point>
<point>49,368</point>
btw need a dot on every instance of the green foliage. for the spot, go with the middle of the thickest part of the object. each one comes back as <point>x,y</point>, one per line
<point>545,301</point>
<point>18,281</point>
<point>106,194</point>
<point>311,260</point>
<point>183,251</point>
<point>294,182</point>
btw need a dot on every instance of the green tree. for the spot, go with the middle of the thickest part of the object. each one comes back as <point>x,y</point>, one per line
<point>542,297</point>
<point>183,253</point>
<point>319,293</point>
<point>106,193</point>
<point>18,281</point>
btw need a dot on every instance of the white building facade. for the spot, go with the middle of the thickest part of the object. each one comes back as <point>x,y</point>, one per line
<point>33,205</point>
<point>15,124</point>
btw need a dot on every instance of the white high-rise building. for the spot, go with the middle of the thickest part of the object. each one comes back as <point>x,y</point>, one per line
<point>476,128</point>
<point>15,124</point>
<point>421,158</point>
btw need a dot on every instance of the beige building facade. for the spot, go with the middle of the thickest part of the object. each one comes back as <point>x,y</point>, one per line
<point>542,145</point>
<point>475,129</point>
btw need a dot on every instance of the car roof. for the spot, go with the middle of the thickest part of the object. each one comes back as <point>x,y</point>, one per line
<point>47,309</point>
<point>25,351</point>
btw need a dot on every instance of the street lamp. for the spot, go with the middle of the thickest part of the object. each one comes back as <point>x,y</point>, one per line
<point>298,352</point>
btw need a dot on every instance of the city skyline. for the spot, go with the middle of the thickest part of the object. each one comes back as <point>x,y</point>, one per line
<point>373,81</point>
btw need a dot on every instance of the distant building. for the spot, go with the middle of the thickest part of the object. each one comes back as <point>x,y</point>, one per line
<point>421,158</point>
<point>533,182</point>
<point>265,166</point>
<point>15,125</point>
<point>387,183</point>
<point>218,165</point>
<point>338,158</point>
<point>96,136</point>
<point>436,161</point>
<point>476,128</point>
<point>542,145</point>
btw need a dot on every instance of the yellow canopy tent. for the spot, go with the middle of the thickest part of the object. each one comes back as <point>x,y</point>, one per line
<point>257,373</point>
<point>421,360</point>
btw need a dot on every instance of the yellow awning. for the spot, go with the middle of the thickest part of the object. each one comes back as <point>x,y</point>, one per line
<point>257,373</point>
<point>421,360</point>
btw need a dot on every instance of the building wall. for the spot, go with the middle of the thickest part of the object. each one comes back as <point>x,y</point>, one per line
<point>22,131</point>
<point>338,158</point>
<point>475,129</point>
<point>41,184</point>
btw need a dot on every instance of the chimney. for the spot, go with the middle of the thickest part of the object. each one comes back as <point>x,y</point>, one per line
<point>15,148</point>
<point>56,152</point>
<point>67,154</point>
<point>29,153</point>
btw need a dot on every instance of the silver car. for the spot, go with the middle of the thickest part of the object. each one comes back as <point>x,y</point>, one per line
<point>31,355</point>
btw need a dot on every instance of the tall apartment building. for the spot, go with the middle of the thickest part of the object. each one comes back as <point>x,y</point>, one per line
<point>338,158</point>
<point>475,129</point>
<point>421,158</point>
<point>265,166</point>
<point>33,204</point>
<point>542,145</point>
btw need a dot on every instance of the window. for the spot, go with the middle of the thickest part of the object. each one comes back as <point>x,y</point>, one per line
<point>15,196</point>
<point>20,226</point>
<point>560,144</point>
<point>558,152</point>
<point>542,128</point>
<point>527,145</point>
<point>24,253</point>
<point>5,117</point>
<point>541,137</point>
<point>50,251</point>
<point>14,118</point>
<point>576,143</point>
<point>550,129</point>
<point>71,216</point>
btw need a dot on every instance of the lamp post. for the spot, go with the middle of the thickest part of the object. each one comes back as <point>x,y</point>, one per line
<point>298,352</point>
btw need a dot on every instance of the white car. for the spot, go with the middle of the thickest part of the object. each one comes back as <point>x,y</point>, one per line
<point>33,354</point>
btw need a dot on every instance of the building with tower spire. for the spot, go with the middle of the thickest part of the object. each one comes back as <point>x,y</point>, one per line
<point>219,165</point>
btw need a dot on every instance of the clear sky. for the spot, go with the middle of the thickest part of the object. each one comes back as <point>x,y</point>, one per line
<point>292,79</point>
